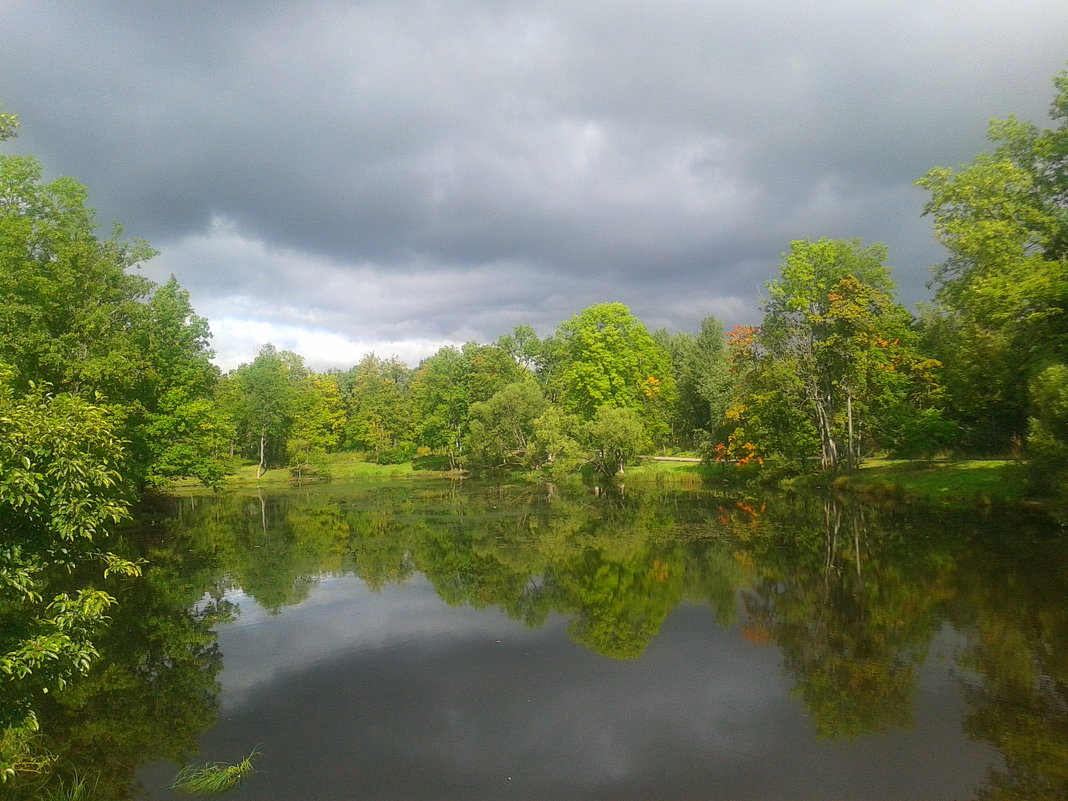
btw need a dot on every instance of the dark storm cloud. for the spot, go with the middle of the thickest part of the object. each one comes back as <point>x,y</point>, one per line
<point>473,165</point>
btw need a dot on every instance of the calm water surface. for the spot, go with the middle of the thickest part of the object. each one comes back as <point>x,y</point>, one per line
<point>462,641</point>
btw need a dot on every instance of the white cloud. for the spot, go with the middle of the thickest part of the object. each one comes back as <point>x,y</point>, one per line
<point>237,341</point>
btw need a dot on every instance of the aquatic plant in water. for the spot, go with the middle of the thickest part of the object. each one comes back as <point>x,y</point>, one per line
<point>212,777</point>
<point>78,789</point>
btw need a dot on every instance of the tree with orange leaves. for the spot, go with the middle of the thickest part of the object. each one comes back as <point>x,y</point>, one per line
<point>835,348</point>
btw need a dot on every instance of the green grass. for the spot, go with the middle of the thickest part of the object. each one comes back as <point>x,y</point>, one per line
<point>679,473</point>
<point>77,789</point>
<point>212,777</point>
<point>352,467</point>
<point>943,482</point>
<point>342,467</point>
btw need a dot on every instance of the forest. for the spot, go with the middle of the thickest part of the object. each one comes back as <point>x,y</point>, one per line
<point>107,386</point>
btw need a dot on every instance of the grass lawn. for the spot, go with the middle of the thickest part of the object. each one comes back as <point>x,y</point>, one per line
<point>350,466</point>
<point>343,467</point>
<point>948,482</point>
<point>941,482</point>
<point>680,473</point>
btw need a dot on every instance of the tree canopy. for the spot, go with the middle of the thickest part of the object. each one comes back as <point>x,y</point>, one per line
<point>1003,292</point>
<point>837,350</point>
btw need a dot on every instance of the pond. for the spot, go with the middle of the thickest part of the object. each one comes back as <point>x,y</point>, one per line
<point>465,641</point>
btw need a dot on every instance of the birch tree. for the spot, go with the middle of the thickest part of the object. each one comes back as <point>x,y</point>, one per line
<point>832,319</point>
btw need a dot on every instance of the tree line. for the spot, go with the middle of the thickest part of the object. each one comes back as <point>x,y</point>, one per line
<point>837,368</point>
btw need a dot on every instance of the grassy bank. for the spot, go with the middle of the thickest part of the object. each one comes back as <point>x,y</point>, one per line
<point>352,467</point>
<point>675,473</point>
<point>951,482</point>
<point>342,467</point>
<point>962,482</point>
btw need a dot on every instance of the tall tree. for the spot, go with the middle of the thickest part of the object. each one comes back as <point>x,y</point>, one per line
<point>768,415</point>
<point>318,425</point>
<point>703,380</point>
<point>604,356</point>
<point>487,369</point>
<point>377,406</point>
<point>1003,291</point>
<point>69,302</point>
<point>184,433</point>
<point>75,316</point>
<point>439,402</point>
<point>448,383</point>
<point>832,319</point>
<point>524,347</point>
<point>265,394</point>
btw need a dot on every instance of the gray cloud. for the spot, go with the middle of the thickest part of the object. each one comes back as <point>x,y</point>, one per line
<point>393,171</point>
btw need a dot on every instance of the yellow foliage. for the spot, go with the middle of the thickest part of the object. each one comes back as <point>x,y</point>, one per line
<point>735,412</point>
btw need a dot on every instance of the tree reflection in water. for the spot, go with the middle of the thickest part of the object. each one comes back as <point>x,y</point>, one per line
<point>851,595</point>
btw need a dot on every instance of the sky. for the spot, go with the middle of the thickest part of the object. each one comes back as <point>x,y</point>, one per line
<point>392,176</point>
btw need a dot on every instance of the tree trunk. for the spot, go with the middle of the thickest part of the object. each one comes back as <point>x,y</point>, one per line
<point>828,447</point>
<point>851,454</point>
<point>263,456</point>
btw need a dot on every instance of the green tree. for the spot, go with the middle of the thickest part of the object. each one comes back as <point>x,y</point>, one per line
<point>1003,291</point>
<point>555,446</point>
<point>612,439</point>
<point>832,319</point>
<point>318,425</point>
<point>524,347</point>
<point>439,402</point>
<point>501,429</point>
<point>487,369</point>
<point>378,407</point>
<point>59,491</point>
<point>264,395</point>
<point>604,356</point>
<point>74,315</point>
<point>445,386</point>
<point>69,302</point>
<point>184,432</point>
<point>1047,437</point>
<point>703,379</point>
<point>768,416</point>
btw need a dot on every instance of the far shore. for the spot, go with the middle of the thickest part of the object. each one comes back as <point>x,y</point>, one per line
<point>942,482</point>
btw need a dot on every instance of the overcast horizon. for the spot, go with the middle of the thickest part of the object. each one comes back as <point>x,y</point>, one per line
<point>338,178</point>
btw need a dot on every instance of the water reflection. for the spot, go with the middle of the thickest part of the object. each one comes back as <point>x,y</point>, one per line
<point>1016,663</point>
<point>852,611</point>
<point>846,601</point>
<point>154,690</point>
